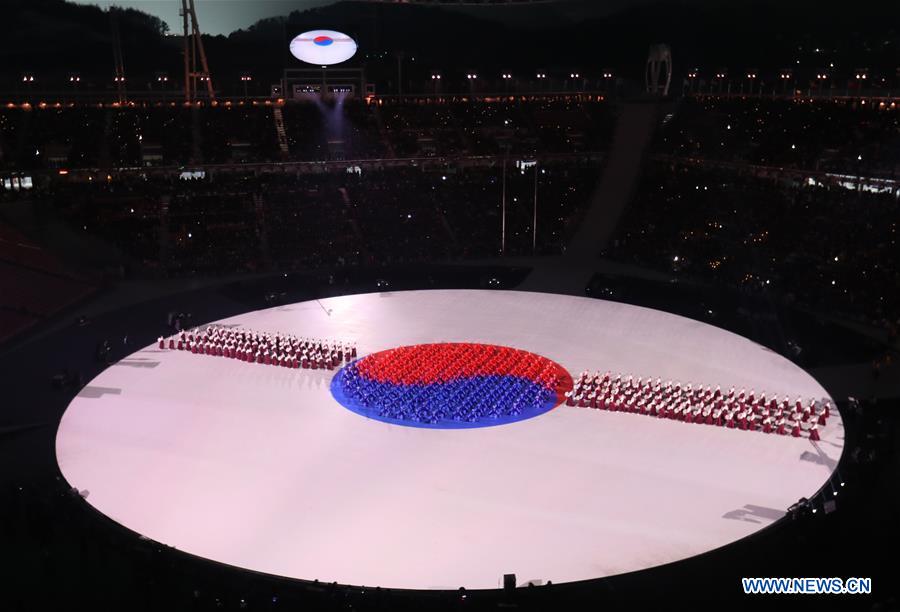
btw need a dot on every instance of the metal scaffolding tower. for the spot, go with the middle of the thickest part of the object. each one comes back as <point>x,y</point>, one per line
<point>119,65</point>
<point>193,48</point>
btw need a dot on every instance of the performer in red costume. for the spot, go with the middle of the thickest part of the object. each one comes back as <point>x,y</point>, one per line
<point>814,432</point>
<point>729,420</point>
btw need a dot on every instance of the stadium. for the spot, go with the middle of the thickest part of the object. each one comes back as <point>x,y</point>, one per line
<point>516,305</point>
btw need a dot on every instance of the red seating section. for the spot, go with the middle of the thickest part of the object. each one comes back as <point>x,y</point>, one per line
<point>34,284</point>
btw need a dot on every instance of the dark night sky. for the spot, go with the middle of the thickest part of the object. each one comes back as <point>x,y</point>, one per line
<point>215,16</point>
<point>225,16</point>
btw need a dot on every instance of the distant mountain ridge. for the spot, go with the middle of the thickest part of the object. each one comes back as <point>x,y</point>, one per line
<point>53,37</point>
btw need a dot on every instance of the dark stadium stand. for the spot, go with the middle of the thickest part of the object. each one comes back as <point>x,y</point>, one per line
<point>35,285</point>
<point>768,234</point>
<point>852,136</point>
<point>233,221</point>
<point>35,138</point>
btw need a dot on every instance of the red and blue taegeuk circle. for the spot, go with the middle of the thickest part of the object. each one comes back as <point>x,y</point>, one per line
<point>451,385</point>
<point>323,41</point>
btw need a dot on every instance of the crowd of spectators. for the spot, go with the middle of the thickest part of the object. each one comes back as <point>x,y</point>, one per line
<point>823,245</point>
<point>125,137</point>
<point>332,129</point>
<point>237,222</point>
<point>842,136</point>
<point>476,127</point>
<point>700,209</point>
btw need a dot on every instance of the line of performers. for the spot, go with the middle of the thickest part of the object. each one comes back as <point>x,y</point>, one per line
<point>283,350</point>
<point>701,405</point>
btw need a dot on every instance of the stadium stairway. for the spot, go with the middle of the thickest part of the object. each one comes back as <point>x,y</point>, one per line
<point>259,209</point>
<point>383,133</point>
<point>196,136</point>
<point>164,237</point>
<point>571,272</point>
<point>104,156</point>
<point>278,117</point>
<point>632,135</point>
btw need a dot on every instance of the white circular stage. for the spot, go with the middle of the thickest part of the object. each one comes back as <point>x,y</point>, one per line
<point>261,468</point>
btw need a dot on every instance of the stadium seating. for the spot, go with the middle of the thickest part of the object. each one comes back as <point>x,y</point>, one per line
<point>35,285</point>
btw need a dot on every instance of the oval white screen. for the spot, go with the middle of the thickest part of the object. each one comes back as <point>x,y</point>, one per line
<point>323,47</point>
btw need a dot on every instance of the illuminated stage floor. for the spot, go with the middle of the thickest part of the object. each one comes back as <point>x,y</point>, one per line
<point>259,467</point>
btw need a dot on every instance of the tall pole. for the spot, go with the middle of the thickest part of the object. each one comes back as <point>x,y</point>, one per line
<point>503,211</point>
<point>195,88</point>
<point>284,54</point>
<point>187,52</point>
<point>400,74</point>
<point>534,220</point>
